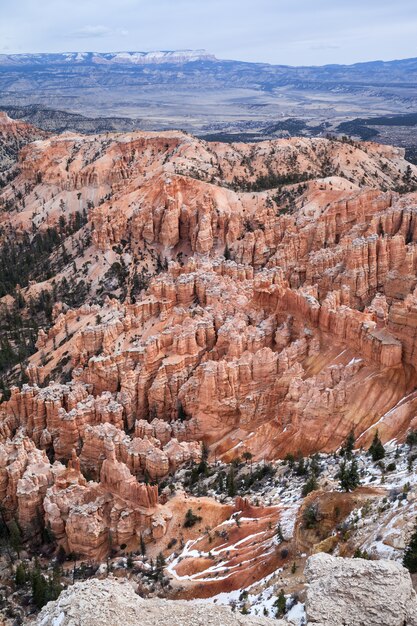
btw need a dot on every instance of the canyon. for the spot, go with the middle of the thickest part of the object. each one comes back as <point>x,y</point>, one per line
<point>200,303</point>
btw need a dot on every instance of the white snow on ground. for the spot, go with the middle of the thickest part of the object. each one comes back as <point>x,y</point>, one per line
<point>380,526</point>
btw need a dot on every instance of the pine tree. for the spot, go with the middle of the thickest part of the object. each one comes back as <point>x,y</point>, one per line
<point>411,438</point>
<point>160,561</point>
<point>20,576</point>
<point>376,449</point>
<point>314,465</point>
<point>230,482</point>
<point>410,554</point>
<point>347,448</point>
<point>348,476</point>
<point>191,519</point>
<point>279,533</point>
<point>309,486</point>
<point>301,469</point>
<point>280,604</point>
<point>39,587</point>
<point>15,537</point>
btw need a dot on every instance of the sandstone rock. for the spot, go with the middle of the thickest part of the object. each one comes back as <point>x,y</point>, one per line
<point>111,602</point>
<point>357,592</point>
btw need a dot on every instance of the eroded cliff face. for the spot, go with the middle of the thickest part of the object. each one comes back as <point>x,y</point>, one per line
<point>15,134</point>
<point>268,321</point>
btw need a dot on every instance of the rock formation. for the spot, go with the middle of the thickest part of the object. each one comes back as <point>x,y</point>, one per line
<point>340,591</point>
<point>258,297</point>
<point>112,601</point>
<point>357,592</point>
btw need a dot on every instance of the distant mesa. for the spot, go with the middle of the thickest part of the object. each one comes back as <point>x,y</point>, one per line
<point>123,58</point>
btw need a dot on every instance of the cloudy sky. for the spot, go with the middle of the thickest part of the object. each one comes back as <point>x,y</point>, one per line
<point>294,32</point>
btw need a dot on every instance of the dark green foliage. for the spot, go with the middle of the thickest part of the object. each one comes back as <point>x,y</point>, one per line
<point>300,468</point>
<point>410,554</point>
<point>376,449</point>
<point>44,589</point>
<point>279,533</point>
<point>247,456</point>
<point>47,534</point>
<point>290,460</point>
<point>311,516</point>
<point>15,537</point>
<point>347,448</point>
<point>256,476</point>
<point>20,576</point>
<point>61,555</point>
<point>309,486</point>
<point>314,465</point>
<point>280,604</point>
<point>348,475</point>
<point>361,554</point>
<point>139,283</point>
<point>411,438</point>
<point>231,483</point>
<point>191,519</point>
<point>271,181</point>
<point>26,258</point>
<point>160,561</point>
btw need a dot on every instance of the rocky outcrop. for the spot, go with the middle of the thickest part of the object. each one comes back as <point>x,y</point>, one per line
<point>113,601</point>
<point>25,475</point>
<point>14,135</point>
<point>87,518</point>
<point>356,592</point>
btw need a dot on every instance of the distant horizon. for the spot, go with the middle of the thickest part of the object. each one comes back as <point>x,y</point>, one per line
<point>278,32</point>
<point>201,50</point>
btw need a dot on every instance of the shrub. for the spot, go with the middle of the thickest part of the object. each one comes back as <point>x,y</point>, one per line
<point>191,519</point>
<point>376,449</point>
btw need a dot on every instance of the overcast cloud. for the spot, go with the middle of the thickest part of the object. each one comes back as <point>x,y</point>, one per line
<point>297,32</point>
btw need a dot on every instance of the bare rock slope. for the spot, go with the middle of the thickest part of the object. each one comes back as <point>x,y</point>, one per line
<point>357,592</point>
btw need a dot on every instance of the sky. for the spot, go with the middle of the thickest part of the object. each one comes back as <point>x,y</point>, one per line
<point>297,32</point>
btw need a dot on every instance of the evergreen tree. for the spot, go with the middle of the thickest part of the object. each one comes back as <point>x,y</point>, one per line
<point>410,554</point>
<point>15,537</point>
<point>20,576</point>
<point>160,561</point>
<point>411,438</point>
<point>347,448</point>
<point>191,519</point>
<point>39,587</point>
<point>279,533</point>
<point>301,469</point>
<point>309,486</point>
<point>314,465</point>
<point>230,482</point>
<point>376,449</point>
<point>280,604</point>
<point>348,476</point>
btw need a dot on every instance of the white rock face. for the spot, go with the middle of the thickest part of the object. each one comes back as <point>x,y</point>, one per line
<point>113,602</point>
<point>357,592</point>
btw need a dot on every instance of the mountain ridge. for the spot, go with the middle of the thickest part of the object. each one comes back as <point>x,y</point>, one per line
<point>128,57</point>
